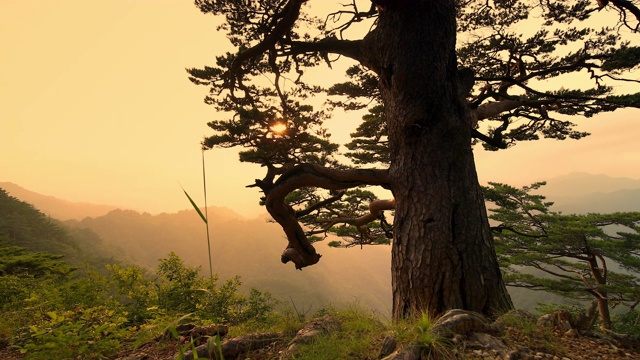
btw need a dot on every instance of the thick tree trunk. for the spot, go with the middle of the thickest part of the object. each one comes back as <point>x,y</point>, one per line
<point>443,253</point>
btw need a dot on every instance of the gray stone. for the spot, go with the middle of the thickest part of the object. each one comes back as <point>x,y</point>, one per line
<point>388,346</point>
<point>410,353</point>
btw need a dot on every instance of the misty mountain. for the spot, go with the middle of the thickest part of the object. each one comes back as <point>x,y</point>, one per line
<point>617,201</point>
<point>579,184</point>
<point>54,207</point>
<point>582,193</point>
<point>250,248</point>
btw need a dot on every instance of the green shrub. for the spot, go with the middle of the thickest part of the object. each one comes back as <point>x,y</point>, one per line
<point>91,333</point>
<point>89,289</point>
<point>88,315</point>
<point>134,291</point>
<point>183,290</point>
<point>14,290</point>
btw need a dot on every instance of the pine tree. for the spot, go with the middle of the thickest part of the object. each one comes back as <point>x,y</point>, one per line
<point>570,255</point>
<point>436,76</point>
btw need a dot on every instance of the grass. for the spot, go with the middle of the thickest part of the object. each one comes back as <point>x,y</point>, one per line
<point>283,321</point>
<point>419,332</point>
<point>363,332</point>
<point>359,337</point>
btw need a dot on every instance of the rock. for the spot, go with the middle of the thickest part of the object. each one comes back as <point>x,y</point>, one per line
<point>458,339</point>
<point>410,353</point>
<point>317,327</point>
<point>199,334</point>
<point>461,322</point>
<point>571,333</point>
<point>490,343</point>
<point>560,320</point>
<point>184,328</point>
<point>313,329</point>
<point>523,353</point>
<point>234,348</point>
<point>388,346</point>
<point>208,331</point>
<point>523,315</point>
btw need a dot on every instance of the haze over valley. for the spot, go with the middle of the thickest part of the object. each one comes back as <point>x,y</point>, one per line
<point>251,247</point>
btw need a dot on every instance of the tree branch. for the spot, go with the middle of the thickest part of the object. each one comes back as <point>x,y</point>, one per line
<point>357,16</point>
<point>539,267</point>
<point>490,109</point>
<point>501,227</point>
<point>550,95</point>
<point>319,205</point>
<point>290,14</point>
<point>376,208</point>
<point>299,250</point>
<point>348,48</point>
<point>625,5</point>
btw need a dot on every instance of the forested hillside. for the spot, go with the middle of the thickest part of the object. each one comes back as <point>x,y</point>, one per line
<point>62,298</point>
<point>24,226</point>
<point>58,278</point>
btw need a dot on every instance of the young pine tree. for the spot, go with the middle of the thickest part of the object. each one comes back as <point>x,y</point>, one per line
<point>572,255</point>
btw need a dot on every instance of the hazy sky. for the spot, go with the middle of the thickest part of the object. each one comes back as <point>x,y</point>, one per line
<point>96,107</point>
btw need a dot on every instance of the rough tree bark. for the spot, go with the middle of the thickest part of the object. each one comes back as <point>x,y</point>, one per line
<point>443,255</point>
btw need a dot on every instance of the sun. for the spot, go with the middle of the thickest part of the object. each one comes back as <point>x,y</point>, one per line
<point>278,128</point>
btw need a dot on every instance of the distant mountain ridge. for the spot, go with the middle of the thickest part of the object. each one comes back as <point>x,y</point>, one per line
<point>251,247</point>
<point>56,208</point>
<point>578,184</point>
<point>576,192</point>
<point>581,193</point>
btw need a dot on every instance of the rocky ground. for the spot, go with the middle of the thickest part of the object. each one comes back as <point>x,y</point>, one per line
<point>574,348</point>
<point>470,337</point>
<point>560,347</point>
<point>475,338</point>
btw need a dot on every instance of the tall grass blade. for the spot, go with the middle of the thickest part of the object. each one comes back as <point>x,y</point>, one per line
<point>195,206</point>
<point>206,213</point>
<point>205,216</point>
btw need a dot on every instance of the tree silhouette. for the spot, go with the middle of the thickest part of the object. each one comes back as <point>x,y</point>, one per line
<point>436,77</point>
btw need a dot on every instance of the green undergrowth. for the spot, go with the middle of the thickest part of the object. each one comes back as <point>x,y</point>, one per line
<point>89,315</point>
<point>362,334</point>
<point>358,338</point>
<point>50,314</point>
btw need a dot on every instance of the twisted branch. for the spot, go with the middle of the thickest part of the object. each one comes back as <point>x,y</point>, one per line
<point>299,250</point>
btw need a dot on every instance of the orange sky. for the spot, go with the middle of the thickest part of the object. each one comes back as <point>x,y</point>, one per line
<point>96,107</point>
